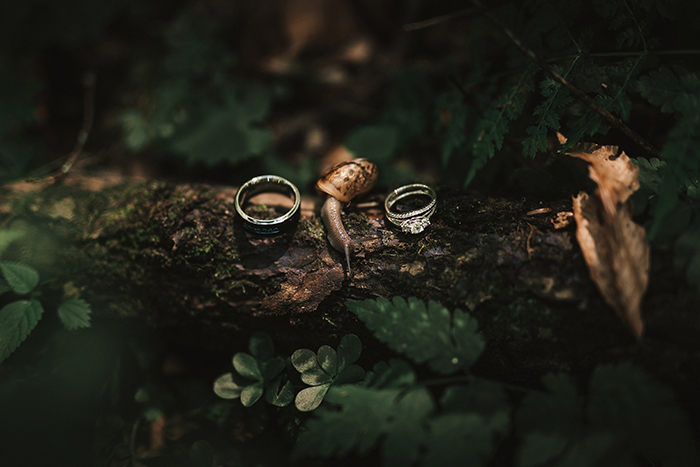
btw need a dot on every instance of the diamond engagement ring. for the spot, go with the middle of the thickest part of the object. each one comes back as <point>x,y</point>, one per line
<point>268,184</point>
<point>410,207</point>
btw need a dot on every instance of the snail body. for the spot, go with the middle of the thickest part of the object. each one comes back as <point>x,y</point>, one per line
<point>341,183</point>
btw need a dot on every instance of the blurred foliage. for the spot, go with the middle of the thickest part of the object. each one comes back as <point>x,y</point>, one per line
<point>465,419</point>
<point>198,108</point>
<point>187,97</point>
<point>18,112</point>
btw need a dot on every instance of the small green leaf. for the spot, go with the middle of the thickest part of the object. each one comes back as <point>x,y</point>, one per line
<point>261,346</point>
<point>74,314</point>
<point>17,320</point>
<point>251,394</point>
<point>316,376</point>
<point>21,278</point>
<point>324,369</point>
<point>247,366</point>
<point>304,360</point>
<point>280,397</point>
<point>226,388</point>
<point>349,351</point>
<point>310,398</point>
<point>328,359</point>
<point>201,454</point>
<point>271,368</point>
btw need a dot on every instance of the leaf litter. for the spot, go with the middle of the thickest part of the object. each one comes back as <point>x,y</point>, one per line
<point>614,247</point>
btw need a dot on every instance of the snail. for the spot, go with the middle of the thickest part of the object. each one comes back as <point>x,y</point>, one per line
<point>341,183</point>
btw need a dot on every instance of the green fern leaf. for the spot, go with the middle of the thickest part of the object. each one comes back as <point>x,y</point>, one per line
<point>649,177</point>
<point>361,417</point>
<point>459,439</point>
<point>682,154</point>
<point>453,110</point>
<point>627,416</point>
<point>475,415</point>
<point>687,254</point>
<point>395,374</point>
<point>493,126</point>
<point>447,342</point>
<point>664,89</point>
<point>556,97</point>
<point>17,320</point>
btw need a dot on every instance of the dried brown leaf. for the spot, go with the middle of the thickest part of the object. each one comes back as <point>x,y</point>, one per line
<point>562,220</point>
<point>614,247</point>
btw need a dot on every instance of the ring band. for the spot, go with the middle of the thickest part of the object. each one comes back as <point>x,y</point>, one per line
<point>266,184</point>
<point>411,221</point>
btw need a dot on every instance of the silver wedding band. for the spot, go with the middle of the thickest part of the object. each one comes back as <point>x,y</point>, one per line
<point>410,220</point>
<point>267,184</point>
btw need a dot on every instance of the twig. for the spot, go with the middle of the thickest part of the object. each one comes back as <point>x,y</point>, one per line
<point>438,19</point>
<point>88,118</point>
<point>542,63</point>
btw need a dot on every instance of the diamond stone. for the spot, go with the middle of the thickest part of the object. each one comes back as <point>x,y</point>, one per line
<point>415,225</point>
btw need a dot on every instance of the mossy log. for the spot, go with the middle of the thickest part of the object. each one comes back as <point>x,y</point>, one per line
<point>174,257</point>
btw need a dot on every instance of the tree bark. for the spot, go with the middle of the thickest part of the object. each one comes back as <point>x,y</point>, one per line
<point>174,257</point>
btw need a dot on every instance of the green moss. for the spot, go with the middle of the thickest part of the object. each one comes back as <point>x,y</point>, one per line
<point>315,229</point>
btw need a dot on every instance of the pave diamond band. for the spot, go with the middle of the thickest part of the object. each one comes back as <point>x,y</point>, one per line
<point>410,207</point>
<point>267,184</point>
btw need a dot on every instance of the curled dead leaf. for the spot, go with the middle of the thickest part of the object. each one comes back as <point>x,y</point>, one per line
<point>614,247</point>
<point>562,220</point>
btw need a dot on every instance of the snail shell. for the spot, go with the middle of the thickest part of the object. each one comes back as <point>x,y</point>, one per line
<point>342,182</point>
<point>348,179</point>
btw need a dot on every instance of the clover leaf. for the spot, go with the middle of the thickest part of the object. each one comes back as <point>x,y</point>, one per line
<point>255,374</point>
<point>326,367</point>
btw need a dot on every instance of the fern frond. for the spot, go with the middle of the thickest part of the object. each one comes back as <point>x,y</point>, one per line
<point>673,92</point>
<point>556,98</point>
<point>455,113</point>
<point>682,154</point>
<point>679,93</point>
<point>493,126</point>
<point>631,28</point>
